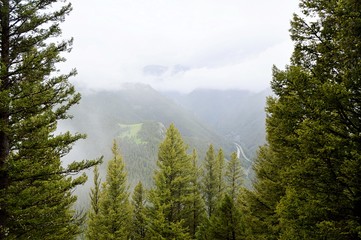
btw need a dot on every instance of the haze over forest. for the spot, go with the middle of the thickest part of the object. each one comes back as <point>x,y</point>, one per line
<point>219,117</point>
<point>203,120</point>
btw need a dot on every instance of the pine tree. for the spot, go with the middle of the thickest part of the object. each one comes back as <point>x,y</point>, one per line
<point>139,229</point>
<point>197,212</point>
<point>234,177</point>
<point>92,231</point>
<point>171,197</point>
<point>314,124</point>
<point>212,188</point>
<point>114,216</point>
<point>258,207</point>
<point>35,190</point>
<point>220,168</point>
<point>225,223</point>
<point>210,183</point>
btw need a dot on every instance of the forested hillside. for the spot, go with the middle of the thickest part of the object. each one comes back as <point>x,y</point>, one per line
<point>137,115</point>
<point>101,115</point>
<point>234,114</point>
<point>174,167</point>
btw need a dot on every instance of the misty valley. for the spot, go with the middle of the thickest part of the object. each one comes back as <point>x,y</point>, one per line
<point>137,116</point>
<point>180,152</point>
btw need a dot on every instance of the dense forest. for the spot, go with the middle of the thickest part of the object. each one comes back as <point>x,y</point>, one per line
<point>307,176</point>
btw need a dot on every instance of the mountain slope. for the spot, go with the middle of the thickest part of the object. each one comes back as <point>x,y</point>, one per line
<point>132,116</point>
<point>234,114</point>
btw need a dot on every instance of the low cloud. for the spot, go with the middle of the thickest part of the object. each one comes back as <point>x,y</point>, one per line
<point>203,43</point>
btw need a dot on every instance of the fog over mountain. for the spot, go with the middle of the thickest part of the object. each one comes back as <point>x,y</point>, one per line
<point>136,117</point>
<point>178,45</point>
<point>237,115</point>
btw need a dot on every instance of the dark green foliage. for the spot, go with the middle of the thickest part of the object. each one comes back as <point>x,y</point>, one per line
<point>313,129</point>
<point>225,223</point>
<point>170,198</point>
<point>139,228</point>
<point>92,231</point>
<point>35,192</point>
<point>259,206</point>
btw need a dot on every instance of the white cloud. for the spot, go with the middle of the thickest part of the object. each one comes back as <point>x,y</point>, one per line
<point>230,43</point>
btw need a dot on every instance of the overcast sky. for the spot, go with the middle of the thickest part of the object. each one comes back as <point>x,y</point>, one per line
<point>178,44</point>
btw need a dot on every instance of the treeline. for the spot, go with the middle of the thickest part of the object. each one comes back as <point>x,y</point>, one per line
<point>36,200</point>
<point>187,201</point>
<point>308,176</point>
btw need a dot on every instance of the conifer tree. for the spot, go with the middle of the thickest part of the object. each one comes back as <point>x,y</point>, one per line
<point>171,197</point>
<point>313,124</point>
<point>220,168</point>
<point>35,189</point>
<point>114,216</point>
<point>211,186</point>
<point>225,223</point>
<point>139,229</point>
<point>197,212</point>
<point>234,176</point>
<point>258,206</point>
<point>92,231</point>
<point>210,183</point>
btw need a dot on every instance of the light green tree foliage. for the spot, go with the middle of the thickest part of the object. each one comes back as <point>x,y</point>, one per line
<point>234,176</point>
<point>220,168</point>
<point>35,190</point>
<point>213,187</point>
<point>114,216</point>
<point>210,183</point>
<point>139,229</point>
<point>170,198</point>
<point>197,211</point>
<point>314,124</point>
<point>92,231</point>
<point>225,223</point>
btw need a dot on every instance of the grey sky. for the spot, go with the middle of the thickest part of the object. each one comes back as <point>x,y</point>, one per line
<point>178,44</point>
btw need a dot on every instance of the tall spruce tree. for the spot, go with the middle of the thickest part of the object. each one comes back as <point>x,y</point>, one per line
<point>170,198</point>
<point>139,228</point>
<point>314,124</point>
<point>258,206</point>
<point>220,169</point>
<point>197,211</point>
<point>226,221</point>
<point>92,231</point>
<point>35,190</point>
<point>210,185</point>
<point>233,177</point>
<point>114,215</point>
